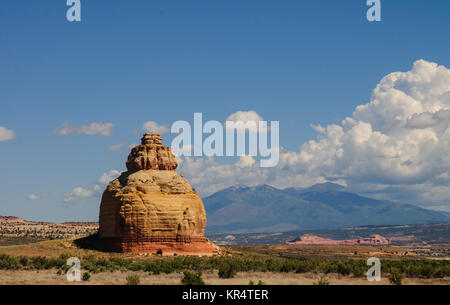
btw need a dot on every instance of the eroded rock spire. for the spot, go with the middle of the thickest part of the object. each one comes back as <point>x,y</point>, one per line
<point>151,154</point>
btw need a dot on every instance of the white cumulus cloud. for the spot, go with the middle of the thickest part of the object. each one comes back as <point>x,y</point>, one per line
<point>105,178</point>
<point>101,129</point>
<point>82,193</point>
<point>428,119</point>
<point>154,127</point>
<point>37,197</point>
<point>78,193</point>
<point>395,147</point>
<point>187,149</point>
<point>6,134</point>
<point>245,161</point>
<point>244,116</point>
<point>241,119</point>
<point>117,146</point>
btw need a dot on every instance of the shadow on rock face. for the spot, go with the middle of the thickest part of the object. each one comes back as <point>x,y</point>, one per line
<point>90,242</point>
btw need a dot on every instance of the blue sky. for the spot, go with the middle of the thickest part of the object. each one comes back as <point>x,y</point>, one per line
<point>298,62</point>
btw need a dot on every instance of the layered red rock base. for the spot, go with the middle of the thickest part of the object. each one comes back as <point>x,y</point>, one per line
<point>164,246</point>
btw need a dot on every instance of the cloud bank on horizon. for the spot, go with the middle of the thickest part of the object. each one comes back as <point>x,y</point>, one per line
<point>395,147</point>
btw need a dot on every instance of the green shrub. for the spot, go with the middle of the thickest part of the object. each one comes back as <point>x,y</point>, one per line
<point>227,271</point>
<point>260,283</point>
<point>39,262</point>
<point>323,281</point>
<point>358,272</point>
<point>427,271</point>
<point>24,261</point>
<point>86,276</point>
<point>344,268</point>
<point>396,278</point>
<point>8,262</point>
<point>229,265</point>
<point>192,278</point>
<point>133,279</point>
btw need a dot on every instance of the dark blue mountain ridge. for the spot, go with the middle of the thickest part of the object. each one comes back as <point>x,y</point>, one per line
<point>263,208</point>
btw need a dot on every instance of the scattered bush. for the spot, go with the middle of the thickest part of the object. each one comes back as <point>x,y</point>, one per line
<point>24,261</point>
<point>86,276</point>
<point>260,283</point>
<point>8,262</point>
<point>323,281</point>
<point>133,279</point>
<point>192,278</point>
<point>227,271</point>
<point>228,266</point>
<point>396,278</point>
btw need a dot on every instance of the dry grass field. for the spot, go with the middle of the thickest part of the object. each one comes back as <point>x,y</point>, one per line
<point>49,277</point>
<point>331,252</point>
<point>53,249</point>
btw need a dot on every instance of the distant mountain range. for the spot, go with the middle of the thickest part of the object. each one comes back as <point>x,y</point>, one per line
<point>265,208</point>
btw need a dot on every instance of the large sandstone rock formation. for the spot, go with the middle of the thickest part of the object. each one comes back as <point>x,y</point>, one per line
<point>151,208</point>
